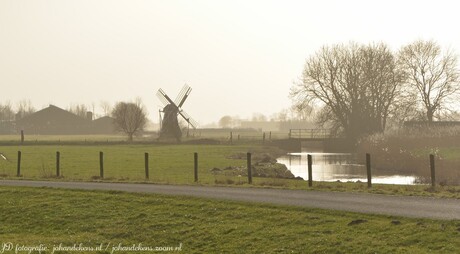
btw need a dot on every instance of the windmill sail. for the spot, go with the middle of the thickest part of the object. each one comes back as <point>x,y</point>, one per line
<point>181,94</point>
<point>164,98</point>
<point>189,120</point>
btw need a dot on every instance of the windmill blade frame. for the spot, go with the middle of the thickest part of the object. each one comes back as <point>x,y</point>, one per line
<point>188,119</point>
<point>185,90</point>
<point>184,97</point>
<point>164,98</point>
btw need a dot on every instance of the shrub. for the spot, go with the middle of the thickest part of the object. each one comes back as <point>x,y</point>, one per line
<point>407,152</point>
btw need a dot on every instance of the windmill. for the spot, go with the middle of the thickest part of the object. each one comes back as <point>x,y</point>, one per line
<point>169,123</point>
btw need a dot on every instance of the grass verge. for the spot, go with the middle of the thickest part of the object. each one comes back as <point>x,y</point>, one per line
<point>33,216</point>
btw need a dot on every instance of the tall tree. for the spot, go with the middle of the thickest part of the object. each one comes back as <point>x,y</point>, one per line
<point>355,85</point>
<point>301,111</point>
<point>6,112</point>
<point>259,117</point>
<point>24,108</point>
<point>432,73</point>
<point>226,122</point>
<point>130,117</point>
<point>106,107</point>
<point>78,109</point>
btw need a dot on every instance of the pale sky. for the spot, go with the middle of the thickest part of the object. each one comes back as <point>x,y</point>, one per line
<point>240,57</point>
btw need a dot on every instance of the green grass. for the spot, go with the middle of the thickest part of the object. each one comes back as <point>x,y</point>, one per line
<point>33,216</point>
<point>167,163</point>
<point>172,164</point>
<point>409,151</point>
<point>384,189</point>
<point>63,138</point>
<point>223,135</point>
<point>447,153</point>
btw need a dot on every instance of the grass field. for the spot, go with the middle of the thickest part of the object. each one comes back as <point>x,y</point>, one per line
<point>63,138</point>
<point>33,216</point>
<point>172,164</point>
<point>219,134</point>
<point>167,163</point>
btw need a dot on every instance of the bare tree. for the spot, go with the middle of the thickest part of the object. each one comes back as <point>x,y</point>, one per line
<point>355,85</point>
<point>24,108</point>
<point>432,73</point>
<point>259,117</point>
<point>130,117</point>
<point>78,109</point>
<point>106,107</point>
<point>282,115</point>
<point>6,112</point>
<point>226,122</point>
<point>302,110</point>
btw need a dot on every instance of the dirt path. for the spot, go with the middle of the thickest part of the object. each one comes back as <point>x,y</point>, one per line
<point>418,207</point>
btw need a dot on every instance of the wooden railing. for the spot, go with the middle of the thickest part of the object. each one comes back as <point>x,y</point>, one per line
<point>309,133</point>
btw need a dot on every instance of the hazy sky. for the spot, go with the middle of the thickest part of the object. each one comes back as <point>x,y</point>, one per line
<point>239,57</point>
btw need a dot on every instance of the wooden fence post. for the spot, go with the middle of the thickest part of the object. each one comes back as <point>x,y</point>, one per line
<point>101,164</point>
<point>195,157</point>
<point>22,136</point>
<point>19,164</point>
<point>249,168</point>
<point>368,167</point>
<point>58,162</point>
<point>310,170</point>
<point>146,162</point>
<point>270,136</point>
<point>231,138</point>
<point>263,138</point>
<point>433,173</point>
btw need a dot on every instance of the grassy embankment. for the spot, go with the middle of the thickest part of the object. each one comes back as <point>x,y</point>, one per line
<point>409,152</point>
<point>33,216</point>
<point>172,164</point>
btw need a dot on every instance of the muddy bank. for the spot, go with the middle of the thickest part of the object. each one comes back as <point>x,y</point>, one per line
<point>264,164</point>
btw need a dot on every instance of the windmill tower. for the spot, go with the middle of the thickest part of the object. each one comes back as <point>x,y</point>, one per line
<point>169,123</point>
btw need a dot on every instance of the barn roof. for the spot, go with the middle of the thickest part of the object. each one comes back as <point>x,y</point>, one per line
<point>53,114</point>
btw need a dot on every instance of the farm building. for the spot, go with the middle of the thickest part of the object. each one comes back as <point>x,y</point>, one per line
<point>56,121</point>
<point>103,125</point>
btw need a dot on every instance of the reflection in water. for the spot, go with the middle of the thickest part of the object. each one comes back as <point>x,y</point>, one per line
<point>338,166</point>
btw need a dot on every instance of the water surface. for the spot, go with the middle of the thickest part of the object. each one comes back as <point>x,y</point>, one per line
<point>344,167</point>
